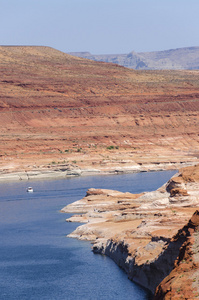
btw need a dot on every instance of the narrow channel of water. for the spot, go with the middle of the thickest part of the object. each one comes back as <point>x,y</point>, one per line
<point>38,262</point>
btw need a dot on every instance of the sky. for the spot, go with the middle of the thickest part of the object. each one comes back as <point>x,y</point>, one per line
<point>100,26</point>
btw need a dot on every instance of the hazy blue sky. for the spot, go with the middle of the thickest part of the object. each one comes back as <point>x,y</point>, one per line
<point>100,26</point>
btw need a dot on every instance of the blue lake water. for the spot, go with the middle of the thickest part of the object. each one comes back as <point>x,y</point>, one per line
<point>38,262</point>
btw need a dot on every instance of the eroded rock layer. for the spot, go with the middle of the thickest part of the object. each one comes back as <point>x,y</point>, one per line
<point>145,233</point>
<point>182,282</point>
<point>56,108</point>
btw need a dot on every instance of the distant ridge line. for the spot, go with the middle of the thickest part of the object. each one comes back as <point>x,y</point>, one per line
<point>186,58</point>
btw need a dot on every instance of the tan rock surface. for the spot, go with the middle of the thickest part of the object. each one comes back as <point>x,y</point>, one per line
<point>140,231</point>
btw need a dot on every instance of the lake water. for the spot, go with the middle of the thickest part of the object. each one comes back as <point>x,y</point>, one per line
<point>38,262</point>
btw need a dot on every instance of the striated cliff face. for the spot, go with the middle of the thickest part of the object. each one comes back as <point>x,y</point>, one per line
<point>182,282</point>
<point>176,259</point>
<point>145,233</point>
<point>148,274</point>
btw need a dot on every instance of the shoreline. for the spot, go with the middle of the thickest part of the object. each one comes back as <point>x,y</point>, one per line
<point>67,171</point>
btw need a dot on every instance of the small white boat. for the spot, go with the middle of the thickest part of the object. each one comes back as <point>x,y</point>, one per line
<point>29,189</point>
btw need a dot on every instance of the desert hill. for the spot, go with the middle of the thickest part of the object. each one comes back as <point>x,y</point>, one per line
<point>173,59</point>
<point>56,107</point>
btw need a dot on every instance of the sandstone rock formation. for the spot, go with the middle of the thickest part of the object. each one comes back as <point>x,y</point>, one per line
<point>182,282</point>
<point>145,233</point>
<point>58,109</point>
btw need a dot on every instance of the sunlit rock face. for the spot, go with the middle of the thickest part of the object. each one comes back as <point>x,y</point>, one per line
<point>183,279</point>
<point>145,234</point>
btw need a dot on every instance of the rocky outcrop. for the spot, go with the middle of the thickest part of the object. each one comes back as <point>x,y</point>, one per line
<point>143,233</point>
<point>176,186</point>
<point>176,259</point>
<point>180,282</point>
<point>150,273</point>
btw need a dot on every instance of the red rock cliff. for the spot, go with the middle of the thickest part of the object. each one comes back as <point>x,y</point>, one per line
<point>179,284</point>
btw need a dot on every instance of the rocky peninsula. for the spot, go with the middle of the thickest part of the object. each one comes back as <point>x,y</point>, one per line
<point>153,236</point>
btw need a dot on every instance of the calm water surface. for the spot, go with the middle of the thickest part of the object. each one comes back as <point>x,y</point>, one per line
<point>38,262</point>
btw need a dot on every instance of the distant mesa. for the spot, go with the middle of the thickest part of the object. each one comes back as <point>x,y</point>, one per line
<point>173,59</point>
<point>80,54</point>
